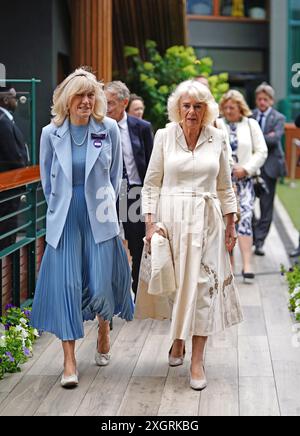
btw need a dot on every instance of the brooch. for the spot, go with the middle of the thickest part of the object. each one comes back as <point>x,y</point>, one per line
<point>98,137</point>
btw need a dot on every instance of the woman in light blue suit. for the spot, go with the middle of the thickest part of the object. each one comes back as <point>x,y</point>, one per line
<point>84,270</point>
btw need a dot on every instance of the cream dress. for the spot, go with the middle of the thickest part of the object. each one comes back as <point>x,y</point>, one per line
<point>190,192</point>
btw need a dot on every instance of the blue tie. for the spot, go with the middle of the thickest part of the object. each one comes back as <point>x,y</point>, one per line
<point>125,174</point>
<point>260,121</point>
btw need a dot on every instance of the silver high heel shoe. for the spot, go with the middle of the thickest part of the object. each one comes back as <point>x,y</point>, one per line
<point>198,384</point>
<point>70,381</point>
<point>176,361</point>
<point>101,359</point>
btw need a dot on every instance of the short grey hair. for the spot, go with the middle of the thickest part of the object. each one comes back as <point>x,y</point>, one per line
<point>267,89</point>
<point>119,89</point>
<point>198,91</point>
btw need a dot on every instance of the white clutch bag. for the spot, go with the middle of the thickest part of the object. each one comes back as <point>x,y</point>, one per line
<point>162,280</point>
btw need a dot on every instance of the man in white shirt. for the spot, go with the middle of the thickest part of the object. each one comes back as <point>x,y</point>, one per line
<point>137,144</point>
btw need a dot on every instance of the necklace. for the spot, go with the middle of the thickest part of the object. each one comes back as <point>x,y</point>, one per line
<point>83,141</point>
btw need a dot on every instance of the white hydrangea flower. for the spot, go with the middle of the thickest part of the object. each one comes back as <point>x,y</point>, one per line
<point>295,293</point>
<point>297,303</point>
<point>2,341</point>
<point>23,321</point>
<point>23,332</point>
<point>297,289</point>
<point>297,311</point>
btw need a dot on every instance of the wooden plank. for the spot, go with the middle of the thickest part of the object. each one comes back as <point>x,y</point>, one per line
<point>11,380</point>
<point>224,340</point>
<point>107,390</point>
<point>3,395</point>
<point>142,397</point>
<point>254,357</point>
<point>222,364</point>
<point>221,396</point>
<point>220,399</point>
<point>254,322</point>
<point>178,398</point>
<point>27,395</point>
<point>61,402</point>
<point>153,360</point>
<point>46,365</point>
<point>250,294</point>
<point>287,376</point>
<point>258,397</point>
<point>161,327</point>
<point>275,306</point>
<point>283,348</point>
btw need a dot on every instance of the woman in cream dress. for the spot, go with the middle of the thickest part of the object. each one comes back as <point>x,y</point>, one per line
<point>188,188</point>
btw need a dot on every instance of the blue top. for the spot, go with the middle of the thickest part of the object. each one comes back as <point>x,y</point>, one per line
<point>79,134</point>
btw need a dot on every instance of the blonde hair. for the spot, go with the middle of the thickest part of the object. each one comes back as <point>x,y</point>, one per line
<point>79,82</point>
<point>238,98</point>
<point>198,91</point>
<point>267,89</point>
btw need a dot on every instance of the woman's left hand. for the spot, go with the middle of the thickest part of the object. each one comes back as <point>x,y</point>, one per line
<point>230,236</point>
<point>239,172</point>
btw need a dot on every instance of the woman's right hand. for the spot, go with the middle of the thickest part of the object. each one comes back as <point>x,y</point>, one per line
<point>151,229</point>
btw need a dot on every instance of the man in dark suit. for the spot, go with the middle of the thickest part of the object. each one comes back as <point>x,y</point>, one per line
<point>13,155</point>
<point>296,252</point>
<point>137,144</point>
<point>272,125</point>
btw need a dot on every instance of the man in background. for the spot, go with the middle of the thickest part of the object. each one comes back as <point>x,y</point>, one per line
<point>137,144</point>
<point>13,155</point>
<point>272,124</point>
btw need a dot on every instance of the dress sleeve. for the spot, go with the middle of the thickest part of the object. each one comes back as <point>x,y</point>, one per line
<point>154,176</point>
<point>225,190</point>
<point>260,150</point>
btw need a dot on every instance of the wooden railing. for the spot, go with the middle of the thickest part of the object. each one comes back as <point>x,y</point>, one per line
<point>19,261</point>
<point>292,150</point>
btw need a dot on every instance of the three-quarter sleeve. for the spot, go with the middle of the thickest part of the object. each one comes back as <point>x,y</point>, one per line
<point>259,149</point>
<point>46,154</point>
<point>225,190</point>
<point>154,176</point>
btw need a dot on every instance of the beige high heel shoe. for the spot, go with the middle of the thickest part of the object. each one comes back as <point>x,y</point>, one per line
<point>176,361</point>
<point>198,384</point>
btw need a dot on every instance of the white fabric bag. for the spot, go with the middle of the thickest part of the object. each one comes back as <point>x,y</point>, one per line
<point>162,280</point>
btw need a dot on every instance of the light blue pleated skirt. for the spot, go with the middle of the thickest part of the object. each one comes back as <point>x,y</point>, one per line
<point>81,279</point>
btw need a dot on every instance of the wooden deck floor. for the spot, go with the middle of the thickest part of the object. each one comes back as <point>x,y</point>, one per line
<point>253,369</point>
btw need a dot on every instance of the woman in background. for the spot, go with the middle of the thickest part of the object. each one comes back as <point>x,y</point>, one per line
<point>249,150</point>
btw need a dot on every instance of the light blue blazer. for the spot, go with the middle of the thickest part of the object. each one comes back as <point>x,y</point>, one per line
<point>103,177</point>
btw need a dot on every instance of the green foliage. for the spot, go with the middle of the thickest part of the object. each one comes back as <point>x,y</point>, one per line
<point>17,339</point>
<point>156,77</point>
<point>293,278</point>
